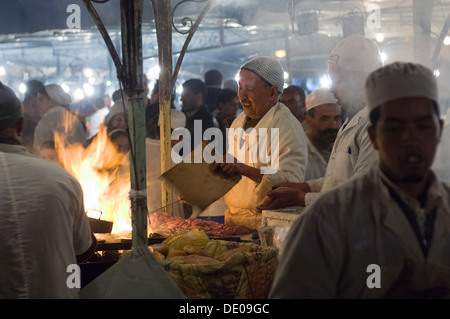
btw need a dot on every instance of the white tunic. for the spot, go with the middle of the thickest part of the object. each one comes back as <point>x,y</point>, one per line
<point>352,155</point>
<point>317,164</point>
<point>351,227</point>
<point>43,226</point>
<point>62,121</point>
<point>288,165</point>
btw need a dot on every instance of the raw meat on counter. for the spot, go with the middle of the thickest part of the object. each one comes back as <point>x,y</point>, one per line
<point>162,223</point>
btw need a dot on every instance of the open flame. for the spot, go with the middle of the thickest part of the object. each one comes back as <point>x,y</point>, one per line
<point>104,175</point>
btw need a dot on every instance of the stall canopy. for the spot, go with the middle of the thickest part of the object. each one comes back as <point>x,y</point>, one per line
<point>36,42</point>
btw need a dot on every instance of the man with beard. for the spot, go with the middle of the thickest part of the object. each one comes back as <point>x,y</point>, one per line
<point>383,234</point>
<point>350,62</point>
<point>324,118</point>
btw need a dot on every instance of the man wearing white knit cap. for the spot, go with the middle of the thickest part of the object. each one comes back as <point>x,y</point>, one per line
<point>261,82</point>
<point>56,118</point>
<point>349,64</point>
<point>383,234</point>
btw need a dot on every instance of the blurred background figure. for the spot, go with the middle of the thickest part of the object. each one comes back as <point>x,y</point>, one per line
<point>120,139</point>
<point>98,116</point>
<point>193,99</point>
<point>213,82</point>
<point>152,111</point>
<point>57,118</point>
<point>116,117</point>
<point>294,98</point>
<point>231,84</point>
<point>31,114</point>
<point>227,106</point>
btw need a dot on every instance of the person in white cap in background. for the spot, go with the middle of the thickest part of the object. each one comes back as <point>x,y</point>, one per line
<point>56,118</point>
<point>350,63</point>
<point>120,139</point>
<point>153,157</point>
<point>98,117</point>
<point>261,81</point>
<point>383,234</point>
<point>43,225</point>
<point>324,118</point>
<point>115,120</point>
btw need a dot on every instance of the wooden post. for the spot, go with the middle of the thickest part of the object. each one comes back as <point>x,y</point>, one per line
<point>163,15</point>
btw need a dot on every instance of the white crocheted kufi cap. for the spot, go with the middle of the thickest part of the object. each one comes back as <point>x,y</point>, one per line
<point>319,97</point>
<point>356,53</point>
<point>57,94</point>
<point>399,80</point>
<point>268,69</point>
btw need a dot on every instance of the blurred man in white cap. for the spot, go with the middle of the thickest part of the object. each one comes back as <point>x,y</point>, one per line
<point>383,234</point>
<point>116,118</point>
<point>350,62</point>
<point>324,118</point>
<point>261,81</point>
<point>43,225</point>
<point>56,118</point>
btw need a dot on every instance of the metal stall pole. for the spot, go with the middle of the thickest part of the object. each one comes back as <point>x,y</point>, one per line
<point>131,18</point>
<point>130,75</point>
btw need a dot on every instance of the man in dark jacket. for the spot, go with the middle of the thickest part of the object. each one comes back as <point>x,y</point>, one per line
<point>193,99</point>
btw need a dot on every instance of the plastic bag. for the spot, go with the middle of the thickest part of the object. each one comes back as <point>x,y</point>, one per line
<point>279,238</point>
<point>137,275</point>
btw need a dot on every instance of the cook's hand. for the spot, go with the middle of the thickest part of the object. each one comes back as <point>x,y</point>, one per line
<point>283,197</point>
<point>231,169</point>
<point>301,187</point>
<point>182,199</point>
<point>235,168</point>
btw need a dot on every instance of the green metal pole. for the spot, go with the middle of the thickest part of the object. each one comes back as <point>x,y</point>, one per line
<point>131,15</point>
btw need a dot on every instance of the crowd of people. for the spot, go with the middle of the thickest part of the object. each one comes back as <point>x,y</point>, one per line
<point>356,156</point>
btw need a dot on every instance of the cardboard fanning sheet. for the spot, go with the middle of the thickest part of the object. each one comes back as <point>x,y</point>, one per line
<point>198,183</point>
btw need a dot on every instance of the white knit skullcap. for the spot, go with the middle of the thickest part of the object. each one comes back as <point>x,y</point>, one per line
<point>57,94</point>
<point>177,119</point>
<point>268,69</point>
<point>118,107</point>
<point>319,97</point>
<point>399,80</point>
<point>356,53</point>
